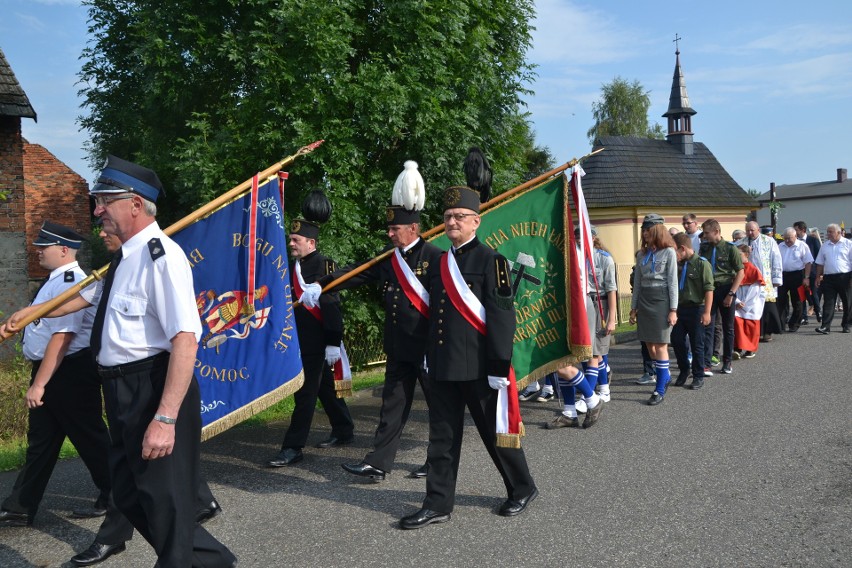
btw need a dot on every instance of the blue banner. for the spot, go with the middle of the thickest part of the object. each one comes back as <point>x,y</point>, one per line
<point>248,355</point>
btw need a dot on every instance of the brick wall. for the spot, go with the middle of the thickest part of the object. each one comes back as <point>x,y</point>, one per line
<point>13,257</point>
<point>53,192</point>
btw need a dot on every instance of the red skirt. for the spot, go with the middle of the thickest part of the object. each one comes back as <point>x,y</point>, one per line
<point>746,334</point>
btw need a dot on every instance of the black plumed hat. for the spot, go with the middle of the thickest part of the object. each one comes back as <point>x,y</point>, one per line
<point>316,210</point>
<point>477,172</point>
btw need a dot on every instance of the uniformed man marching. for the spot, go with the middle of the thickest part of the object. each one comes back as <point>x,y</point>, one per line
<point>404,277</point>
<point>472,324</point>
<point>320,331</point>
<point>64,397</point>
<point>144,338</point>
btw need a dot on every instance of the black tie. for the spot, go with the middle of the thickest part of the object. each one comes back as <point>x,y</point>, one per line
<point>100,315</point>
<point>24,331</point>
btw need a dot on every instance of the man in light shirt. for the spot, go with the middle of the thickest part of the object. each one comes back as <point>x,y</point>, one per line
<point>796,260</point>
<point>834,273</point>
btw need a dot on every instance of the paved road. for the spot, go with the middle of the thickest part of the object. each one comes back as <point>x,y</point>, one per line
<point>753,470</point>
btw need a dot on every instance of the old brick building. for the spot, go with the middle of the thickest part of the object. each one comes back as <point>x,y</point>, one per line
<point>34,185</point>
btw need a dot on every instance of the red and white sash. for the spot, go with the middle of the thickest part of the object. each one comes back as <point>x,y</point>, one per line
<point>411,286</point>
<point>341,369</point>
<point>510,427</point>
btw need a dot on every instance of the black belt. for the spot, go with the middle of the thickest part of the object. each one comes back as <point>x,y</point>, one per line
<point>134,367</point>
<point>596,298</point>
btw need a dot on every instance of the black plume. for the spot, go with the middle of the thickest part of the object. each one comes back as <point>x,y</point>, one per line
<point>477,171</point>
<point>316,207</point>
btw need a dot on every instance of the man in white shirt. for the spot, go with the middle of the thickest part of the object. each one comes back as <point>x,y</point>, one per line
<point>796,259</point>
<point>834,273</point>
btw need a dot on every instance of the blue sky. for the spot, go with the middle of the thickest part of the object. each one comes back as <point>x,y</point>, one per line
<point>771,81</point>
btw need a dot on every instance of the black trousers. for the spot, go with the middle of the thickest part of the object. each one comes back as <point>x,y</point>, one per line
<point>158,496</point>
<point>727,318</point>
<point>319,383</point>
<point>116,529</point>
<point>72,407</point>
<point>688,333</point>
<point>397,395</point>
<point>790,312</point>
<point>835,286</point>
<point>446,426</point>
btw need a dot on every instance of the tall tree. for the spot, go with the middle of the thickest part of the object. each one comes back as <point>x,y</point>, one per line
<point>623,111</point>
<point>208,92</point>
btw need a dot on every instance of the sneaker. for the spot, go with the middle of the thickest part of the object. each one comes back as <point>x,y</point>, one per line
<point>714,361</point>
<point>605,397</point>
<point>707,372</point>
<point>562,421</point>
<point>545,397</point>
<point>681,379</point>
<point>655,399</point>
<point>646,379</point>
<point>749,355</point>
<point>737,355</point>
<point>697,383</point>
<point>726,368</point>
<point>528,394</point>
<point>593,415</point>
<point>580,405</point>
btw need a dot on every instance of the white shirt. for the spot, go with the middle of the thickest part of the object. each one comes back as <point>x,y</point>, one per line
<point>794,258</point>
<point>836,258</point>
<point>696,239</point>
<point>151,301</point>
<point>39,332</point>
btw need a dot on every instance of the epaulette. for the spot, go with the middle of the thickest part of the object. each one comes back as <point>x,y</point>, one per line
<point>329,266</point>
<point>155,247</point>
<point>503,292</point>
<point>69,276</point>
<point>603,252</point>
<point>702,258</point>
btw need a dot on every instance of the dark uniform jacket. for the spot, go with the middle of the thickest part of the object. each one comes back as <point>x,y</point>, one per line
<point>406,330</point>
<point>457,351</point>
<point>313,335</point>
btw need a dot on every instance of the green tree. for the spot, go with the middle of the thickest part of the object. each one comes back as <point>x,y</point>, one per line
<point>207,93</point>
<point>623,111</point>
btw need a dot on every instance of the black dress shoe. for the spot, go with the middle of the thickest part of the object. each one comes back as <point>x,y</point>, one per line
<point>287,456</point>
<point>697,383</point>
<point>97,553</point>
<point>823,330</point>
<point>333,441</point>
<point>99,509</point>
<point>681,379</point>
<point>364,469</point>
<point>420,473</point>
<point>422,518</point>
<point>655,399</point>
<point>208,512</point>
<point>846,330</point>
<point>513,507</point>
<point>13,519</point>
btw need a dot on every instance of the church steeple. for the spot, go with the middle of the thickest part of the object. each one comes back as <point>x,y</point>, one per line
<point>679,113</point>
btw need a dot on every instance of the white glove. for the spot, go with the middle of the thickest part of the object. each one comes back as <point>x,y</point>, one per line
<point>497,383</point>
<point>332,355</point>
<point>310,295</point>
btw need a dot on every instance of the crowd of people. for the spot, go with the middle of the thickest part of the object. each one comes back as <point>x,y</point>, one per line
<point>449,325</point>
<point>713,301</point>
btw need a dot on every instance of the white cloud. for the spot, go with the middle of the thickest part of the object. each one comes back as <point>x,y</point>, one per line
<point>566,32</point>
<point>31,23</point>
<point>57,2</point>
<point>803,37</point>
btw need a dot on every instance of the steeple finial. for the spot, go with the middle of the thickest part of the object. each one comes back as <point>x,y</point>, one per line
<point>677,45</point>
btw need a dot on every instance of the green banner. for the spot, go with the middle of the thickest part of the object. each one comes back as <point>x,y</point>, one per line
<point>529,230</point>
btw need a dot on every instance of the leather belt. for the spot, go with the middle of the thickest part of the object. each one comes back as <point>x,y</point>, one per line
<point>134,367</point>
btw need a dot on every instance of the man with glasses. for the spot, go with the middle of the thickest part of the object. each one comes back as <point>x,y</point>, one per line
<point>692,229</point>
<point>796,261</point>
<point>144,339</point>
<point>472,325</point>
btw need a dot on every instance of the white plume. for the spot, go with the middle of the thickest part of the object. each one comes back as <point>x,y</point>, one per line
<point>409,190</point>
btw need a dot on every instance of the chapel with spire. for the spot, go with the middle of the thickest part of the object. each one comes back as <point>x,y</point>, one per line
<point>636,175</point>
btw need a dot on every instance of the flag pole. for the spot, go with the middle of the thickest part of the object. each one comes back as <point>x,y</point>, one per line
<point>199,213</point>
<point>484,207</point>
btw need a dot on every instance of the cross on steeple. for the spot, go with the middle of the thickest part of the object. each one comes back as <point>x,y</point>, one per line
<point>677,45</point>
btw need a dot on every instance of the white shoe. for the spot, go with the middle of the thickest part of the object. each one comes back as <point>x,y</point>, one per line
<point>580,405</point>
<point>604,397</point>
<point>528,394</point>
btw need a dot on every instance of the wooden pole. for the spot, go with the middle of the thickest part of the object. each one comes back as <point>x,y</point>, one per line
<point>484,207</point>
<point>196,215</point>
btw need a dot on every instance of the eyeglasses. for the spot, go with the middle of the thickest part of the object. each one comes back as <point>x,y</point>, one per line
<point>101,201</point>
<point>689,223</point>
<point>459,217</point>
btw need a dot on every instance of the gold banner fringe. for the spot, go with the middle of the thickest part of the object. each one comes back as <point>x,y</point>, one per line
<point>254,407</point>
<point>343,393</point>
<point>522,430</point>
<point>583,353</point>
<point>508,441</point>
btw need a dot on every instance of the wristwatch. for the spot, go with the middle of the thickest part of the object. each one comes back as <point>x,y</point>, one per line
<point>165,419</point>
<point>732,293</point>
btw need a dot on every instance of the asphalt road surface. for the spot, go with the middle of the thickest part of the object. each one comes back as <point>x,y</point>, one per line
<point>753,470</point>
